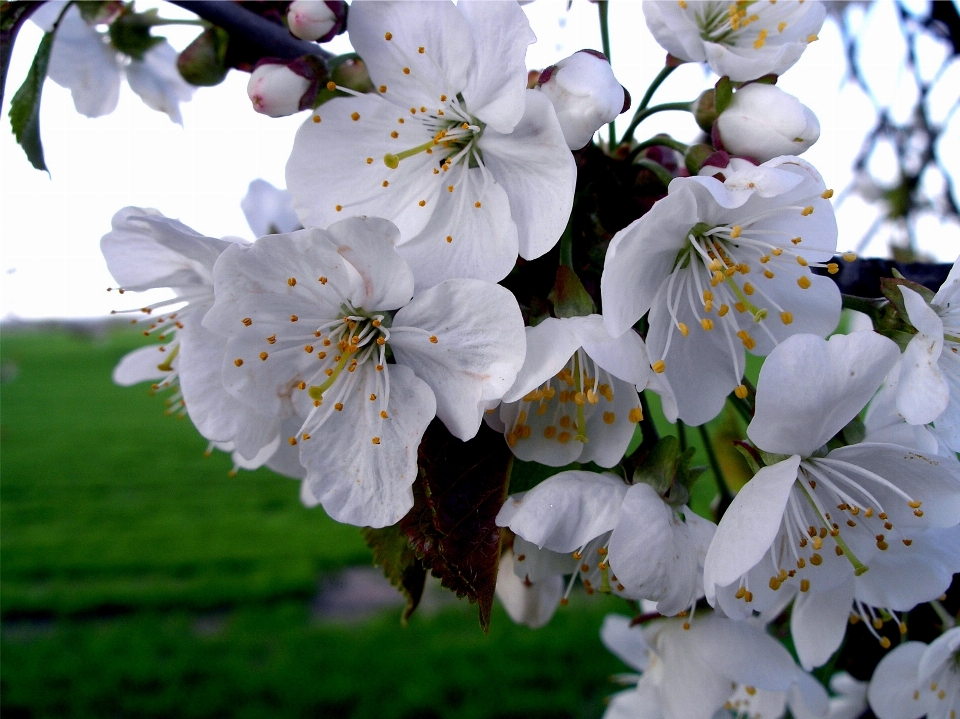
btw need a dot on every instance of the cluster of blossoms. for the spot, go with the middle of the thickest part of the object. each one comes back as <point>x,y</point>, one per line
<point>372,303</point>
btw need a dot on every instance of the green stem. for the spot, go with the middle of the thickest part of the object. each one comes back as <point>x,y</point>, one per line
<point>602,9</point>
<point>682,435</point>
<point>642,114</point>
<point>566,245</point>
<point>858,566</point>
<point>662,173</point>
<point>657,82</point>
<point>579,398</point>
<point>726,496</point>
<point>742,407</point>
<point>657,142</point>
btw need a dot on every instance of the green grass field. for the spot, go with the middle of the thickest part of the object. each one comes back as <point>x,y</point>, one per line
<point>140,580</point>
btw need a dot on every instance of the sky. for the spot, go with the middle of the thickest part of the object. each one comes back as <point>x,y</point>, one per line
<point>50,226</point>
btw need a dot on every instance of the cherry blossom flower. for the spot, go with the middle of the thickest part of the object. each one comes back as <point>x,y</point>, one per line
<point>917,679</point>
<point>315,19</point>
<point>736,666</point>
<point>529,603</point>
<point>470,165</point>
<point>268,209</point>
<point>688,262</point>
<point>310,318</point>
<point>84,62</point>
<point>762,122</point>
<point>575,398</point>
<point>743,41</point>
<point>277,91</point>
<point>622,539</point>
<point>146,250</point>
<point>929,383</point>
<point>816,521</point>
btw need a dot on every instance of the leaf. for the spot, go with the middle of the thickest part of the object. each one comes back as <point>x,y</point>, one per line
<point>452,525</point>
<point>724,94</point>
<point>25,106</point>
<point>12,17</point>
<point>569,297</point>
<point>400,564</point>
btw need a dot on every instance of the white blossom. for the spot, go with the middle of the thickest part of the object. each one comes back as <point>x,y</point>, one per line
<point>724,267</point>
<point>268,209</point>
<point>762,122</point>
<point>743,41</point>
<point>917,679</point>
<point>575,398</point>
<point>276,90</point>
<point>310,317</point>
<point>470,165</point>
<point>310,19</point>
<point>529,603</point>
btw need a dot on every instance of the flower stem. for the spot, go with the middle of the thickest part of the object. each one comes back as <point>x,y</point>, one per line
<point>726,496</point>
<point>682,435</point>
<point>659,141</point>
<point>657,82</point>
<point>643,113</point>
<point>868,306</point>
<point>605,39</point>
<point>662,173</point>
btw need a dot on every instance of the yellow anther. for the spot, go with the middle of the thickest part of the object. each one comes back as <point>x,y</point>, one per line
<point>748,597</point>
<point>550,431</point>
<point>238,362</point>
<point>263,356</point>
<point>781,27</point>
<point>292,441</point>
<point>723,310</point>
<point>308,349</point>
<point>406,71</point>
<point>708,306</point>
<point>375,440</point>
<point>775,583</point>
<point>382,89</point>
<point>740,592</point>
<point>394,135</point>
<point>740,307</point>
<point>816,560</point>
<point>316,119</point>
<point>748,289</point>
<point>388,36</point>
<point>768,274</point>
<point>355,116</point>
<point>804,282</point>
<point>609,417</point>
<point>707,296</point>
<point>247,321</point>
<point>563,437</point>
<point>477,204</point>
<point>814,38</point>
<point>741,391</point>
<point>706,323</point>
<point>833,268</point>
<point>338,208</point>
<point>800,261</point>
<point>735,232</point>
<point>636,415</point>
<point>338,406</point>
<point>579,398</point>
<point>807,211</point>
<point>383,414</point>
<point>659,366</point>
<point>776,251</point>
<point>331,86</point>
<point>684,330</point>
<point>420,50</point>
<point>302,385</point>
<point>849,256</point>
<point>796,240</point>
<point>743,268</point>
<point>786,317</point>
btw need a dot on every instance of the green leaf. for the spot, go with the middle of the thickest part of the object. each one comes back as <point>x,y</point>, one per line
<point>569,297</point>
<point>452,525</point>
<point>25,106</point>
<point>400,564</point>
<point>724,94</point>
<point>12,17</point>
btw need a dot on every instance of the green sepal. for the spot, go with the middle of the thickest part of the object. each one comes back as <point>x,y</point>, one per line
<point>95,12</point>
<point>723,94</point>
<point>130,33</point>
<point>668,471</point>
<point>901,337</point>
<point>889,286</point>
<point>771,458</point>
<point>705,110</point>
<point>748,456</point>
<point>346,71</point>
<point>25,106</point>
<point>854,432</point>
<point>696,156</point>
<point>400,564</point>
<point>569,297</point>
<point>204,61</point>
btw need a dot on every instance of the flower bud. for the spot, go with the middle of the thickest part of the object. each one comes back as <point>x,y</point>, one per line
<point>316,19</point>
<point>585,95</point>
<point>276,90</point>
<point>763,122</point>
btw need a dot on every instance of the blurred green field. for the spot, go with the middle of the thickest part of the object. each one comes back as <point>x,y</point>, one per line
<point>140,580</point>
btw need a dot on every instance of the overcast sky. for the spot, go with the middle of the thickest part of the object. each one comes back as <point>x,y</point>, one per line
<point>50,227</point>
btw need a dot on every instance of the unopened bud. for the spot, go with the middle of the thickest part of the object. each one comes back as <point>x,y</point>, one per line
<point>585,95</point>
<point>316,19</point>
<point>763,122</point>
<point>705,109</point>
<point>276,90</point>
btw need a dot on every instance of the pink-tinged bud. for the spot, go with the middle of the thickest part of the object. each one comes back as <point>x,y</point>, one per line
<point>762,122</point>
<point>276,90</point>
<point>316,19</point>
<point>585,95</point>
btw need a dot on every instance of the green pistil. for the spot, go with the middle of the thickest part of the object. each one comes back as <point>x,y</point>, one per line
<point>166,366</point>
<point>759,313</point>
<point>858,566</point>
<point>578,387</point>
<point>393,161</point>
<point>316,391</point>
<point>604,587</point>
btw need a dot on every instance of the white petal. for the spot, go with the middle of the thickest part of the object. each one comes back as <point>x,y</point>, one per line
<point>497,79</point>
<point>158,82</point>
<point>625,642</point>
<point>328,167</point>
<point>383,280</point>
<point>141,365</point>
<point>806,377</point>
<point>642,255</point>
<point>808,699</point>
<point>818,623</point>
<point>268,209</point>
<point>749,525</point>
<point>566,511</point>
<point>923,393</point>
<point>609,428</point>
<point>894,681</point>
<point>537,564</point>
<point>950,286</point>
<point>940,651</point>
<point>534,166</point>
<point>217,414</point>
<point>624,356</point>
<point>482,240</point>
<point>83,62</point>
<point>550,345</point>
<point>531,604</point>
<point>359,482</point>
<point>145,250</point>
<point>762,661</point>
<point>437,27</point>
<point>479,349</point>
<point>557,450</point>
